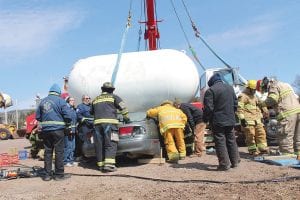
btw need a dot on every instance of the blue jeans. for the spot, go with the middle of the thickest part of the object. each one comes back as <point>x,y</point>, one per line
<point>69,148</point>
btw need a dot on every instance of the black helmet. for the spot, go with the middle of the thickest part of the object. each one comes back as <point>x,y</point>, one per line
<point>107,87</point>
<point>265,84</point>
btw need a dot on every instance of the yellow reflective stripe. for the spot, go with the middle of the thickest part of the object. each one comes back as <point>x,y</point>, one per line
<point>274,96</point>
<point>173,156</point>
<point>285,114</point>
<point>182,154</point>
<point>189,145</point>
<point>109,121</point>
<point>241,104</point>
<point>285,93</point>
<point>252,147</point>
<point>86,118</point>
<point>100,100</point>
<point>262,145</point>
<point>110,161</point>
<point>52,123</point>
<point>100,164</point>
<point>124,112</point>
<point>250,107</point>
<point>251,122</point>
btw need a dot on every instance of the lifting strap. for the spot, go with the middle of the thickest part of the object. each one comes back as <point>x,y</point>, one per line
<point>197,34</point>
<point>186,38</point>
<point>124,37</point>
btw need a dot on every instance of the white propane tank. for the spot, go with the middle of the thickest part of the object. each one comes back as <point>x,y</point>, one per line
<point>144,79</point>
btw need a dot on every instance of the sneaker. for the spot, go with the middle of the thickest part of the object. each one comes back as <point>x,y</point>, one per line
<point>69,165</point>
<point>62,177</point>
<point>109,168</point>
<point>47,178</point>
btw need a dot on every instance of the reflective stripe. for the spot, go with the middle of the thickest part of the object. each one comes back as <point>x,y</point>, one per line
<point>73,126</point>
<point>189,145</point>
<point>110,161</point>
<point>106,99</point>
<point>182,154</point>
<point>241,116</point>
<point>250,107</point>
<point>100,164</point>
<point>254,122</point>
<point>104,121</point>
<point>262,145</point>
<point>188,135</point>
<point>86,118</point>
<point>274,96</point>
<point>252,147</point>
<point>124,112</point>
<point>241,104</point>
<point>54,93</point>
<point>52,123</point>
<point>285,93</point>
<point>173,156</point>
<point>285,114</point>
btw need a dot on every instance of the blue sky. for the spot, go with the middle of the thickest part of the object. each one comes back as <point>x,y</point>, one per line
<point>40,40</point>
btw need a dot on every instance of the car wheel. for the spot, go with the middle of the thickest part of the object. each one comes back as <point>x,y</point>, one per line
<point>4,134</point>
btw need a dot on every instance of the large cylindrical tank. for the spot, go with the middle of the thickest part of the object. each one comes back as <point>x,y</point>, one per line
<point>144,79</point>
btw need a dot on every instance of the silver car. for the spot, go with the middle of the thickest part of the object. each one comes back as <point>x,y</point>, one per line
<point>139,138</point>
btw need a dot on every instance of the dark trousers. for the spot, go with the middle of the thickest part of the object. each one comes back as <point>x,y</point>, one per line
<point>81,138</point>
<point>226,147</point>
<point>54,140</point>
<point>104,146</point>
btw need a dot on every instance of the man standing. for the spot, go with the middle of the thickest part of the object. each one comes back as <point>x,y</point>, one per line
<point>286,103</point>
<point>171,124</point>
<point>53,116</point>
<point>250,115</point>
<point>85,124</point>
<point>195,122</point>
<point>104,109</point>
<point>220,104</point>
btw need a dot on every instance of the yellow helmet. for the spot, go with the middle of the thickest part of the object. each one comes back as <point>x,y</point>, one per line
<point>166,102</point>
<point>251,84</point>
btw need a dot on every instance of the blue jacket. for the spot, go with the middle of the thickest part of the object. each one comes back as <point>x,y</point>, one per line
<point>53,113</point>
<point>84,116</point>
<point>73,114</point>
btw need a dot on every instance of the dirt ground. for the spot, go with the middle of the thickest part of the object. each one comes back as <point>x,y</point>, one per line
<point>192,178</point>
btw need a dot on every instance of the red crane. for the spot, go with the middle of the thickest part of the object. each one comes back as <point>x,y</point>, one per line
<point>151,33</point>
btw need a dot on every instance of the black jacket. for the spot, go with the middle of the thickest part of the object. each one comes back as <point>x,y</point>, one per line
<point>194,115</point>
<point>220,103</point>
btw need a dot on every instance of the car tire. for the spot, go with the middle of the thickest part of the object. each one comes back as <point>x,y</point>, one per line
<point>4,134</point>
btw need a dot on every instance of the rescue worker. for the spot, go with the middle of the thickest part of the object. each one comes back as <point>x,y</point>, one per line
<point>286,104</point>
<point>250,115</point>
<point>104,109</point>
<point>37,145</point>
<point>260,94</point>
<point>195,122</point>
<point>85,126</point>
<point>220,104</point>
<point>171,124</point>
<point>70,134</point>
<point>53,116</point>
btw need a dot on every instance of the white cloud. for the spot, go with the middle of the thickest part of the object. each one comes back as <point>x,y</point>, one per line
<point>29,31</point>
<point>259,31</point>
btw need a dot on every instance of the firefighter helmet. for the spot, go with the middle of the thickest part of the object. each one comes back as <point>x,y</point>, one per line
<point>251,84</point>
<point>108,85</point>
<point>166,102</point>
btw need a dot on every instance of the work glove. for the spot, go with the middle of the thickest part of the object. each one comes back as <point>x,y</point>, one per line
<point>244,123</point>
<point>126,120</point>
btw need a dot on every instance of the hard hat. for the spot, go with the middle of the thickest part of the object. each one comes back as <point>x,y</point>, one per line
<point>251,84</point>
<point>166,102</point>
<point>107,85</point>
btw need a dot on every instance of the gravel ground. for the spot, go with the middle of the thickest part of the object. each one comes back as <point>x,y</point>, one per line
<point>192,178</point>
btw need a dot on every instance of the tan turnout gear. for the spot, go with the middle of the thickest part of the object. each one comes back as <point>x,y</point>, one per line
<point>171,124</point>
<point>249,109</point>
<point>286,103</point>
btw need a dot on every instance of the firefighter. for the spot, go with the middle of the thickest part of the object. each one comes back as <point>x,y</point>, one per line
<point>195,122</point>
<point>104,109</point>
<point>171,124</point>
<point>53,116</point>
<point>85,126</point>
<point>283,99</point>
<point>250,115</point>
<point>37,145</point>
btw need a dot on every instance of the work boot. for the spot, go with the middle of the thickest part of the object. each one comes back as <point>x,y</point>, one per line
<point>264,151</point>
<point>223,168</point>
<point>62,177</point>
<point>254,153</point>
<point>47,178</point>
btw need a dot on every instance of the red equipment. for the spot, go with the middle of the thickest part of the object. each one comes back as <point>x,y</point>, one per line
<point>151,33</point>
